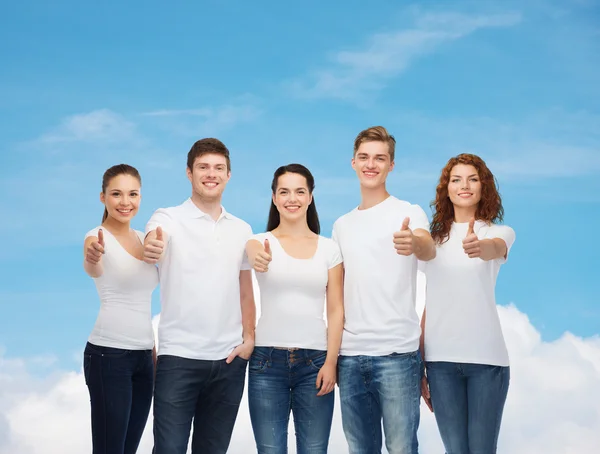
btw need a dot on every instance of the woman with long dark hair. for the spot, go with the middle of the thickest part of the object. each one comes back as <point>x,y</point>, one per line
<point>118,358</point>
<point>293,367</point>
<point>466,358</point>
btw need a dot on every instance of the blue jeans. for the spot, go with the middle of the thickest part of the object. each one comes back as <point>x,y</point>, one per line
<point>120,386</point>
<point>373,388</point>
<point>205,392</point>
<point>280,381</point>
<point>468,400</point>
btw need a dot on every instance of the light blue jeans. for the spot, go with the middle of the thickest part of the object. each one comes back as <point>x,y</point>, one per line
<point>376,388</point>
<point>280,382</point>
<point>468,401</point>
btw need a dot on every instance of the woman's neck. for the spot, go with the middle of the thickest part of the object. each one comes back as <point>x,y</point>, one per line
<point>464,214</point>
<point>115,227</point>
<point>293,229</point>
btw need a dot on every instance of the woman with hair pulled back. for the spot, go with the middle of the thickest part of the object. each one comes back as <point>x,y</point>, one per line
<point>466,357</point>
<point>293,366</point>
<point>118,358</point>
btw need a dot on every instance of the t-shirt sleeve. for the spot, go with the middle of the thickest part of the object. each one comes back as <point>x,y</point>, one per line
<point>259,237</point>
<point>336,239</point>
<point>418,219</point>
<point>504,232</point>
<point>93,232</point>
<point>161,218</point>
<point>335,255</point>
<point>245,262</point>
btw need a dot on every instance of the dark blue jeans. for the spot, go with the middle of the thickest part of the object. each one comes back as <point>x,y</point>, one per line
<point>381,388</point>
<point>280,382</point>
<point>205,392</point>
<point>120,385</point>
<point>468,401</point>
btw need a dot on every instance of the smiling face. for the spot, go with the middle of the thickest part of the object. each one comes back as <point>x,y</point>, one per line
<point>464,186</point>
<point>209,176</point>
<point>122,197</point>
<point>372,163</point>
<point>292,197</point>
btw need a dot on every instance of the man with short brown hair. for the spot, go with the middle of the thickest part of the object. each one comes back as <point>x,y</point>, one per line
<point>380,367</point>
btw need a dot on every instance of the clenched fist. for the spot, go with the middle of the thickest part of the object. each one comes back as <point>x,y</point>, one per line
<point>263,258</point>
<point>154,248</point>
<point>471,243</point>
<point>95,250</point>
<point>404,239</point>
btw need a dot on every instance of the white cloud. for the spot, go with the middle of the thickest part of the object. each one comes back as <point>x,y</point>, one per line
<point>102,124</point>
<point>552,405</point>
<point>387,55</point>
<point>177,112</point>
<point>205,121</point>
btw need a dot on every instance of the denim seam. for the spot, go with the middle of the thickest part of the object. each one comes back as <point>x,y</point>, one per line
<point>104,425</point>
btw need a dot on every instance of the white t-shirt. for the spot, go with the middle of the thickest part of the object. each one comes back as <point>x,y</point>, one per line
<point>462,323</point>
<point>379,284</point>
<point>201,316</point>
<point>292,296</point>
<point>125,290</point>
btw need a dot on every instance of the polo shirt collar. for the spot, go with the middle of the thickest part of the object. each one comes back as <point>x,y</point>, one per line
<point>194,212</point>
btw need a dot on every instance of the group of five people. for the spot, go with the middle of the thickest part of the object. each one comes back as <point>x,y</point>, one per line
<point>371,342</point>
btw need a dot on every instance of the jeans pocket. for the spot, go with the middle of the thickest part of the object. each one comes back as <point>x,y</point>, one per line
<point>257,364</point>
<point>317,361</point>
<point>114,353</point>
<point>87,364</point>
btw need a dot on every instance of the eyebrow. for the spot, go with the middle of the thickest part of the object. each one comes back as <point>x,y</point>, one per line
<point>377,155</point>
<point>288,189</point>
<point>458,176</point>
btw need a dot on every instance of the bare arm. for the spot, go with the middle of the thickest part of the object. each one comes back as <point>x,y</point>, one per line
<point>335,312</point>
<point>245,349</point>
<point>486,249</point>
<point>494,248</point>
<point>248,306</point>
<point>422,339</point>
<point>327,376</point>
<point>425,394</point>
<point>424,246</point>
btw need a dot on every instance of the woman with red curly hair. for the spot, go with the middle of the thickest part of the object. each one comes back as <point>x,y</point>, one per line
<point>466,358</point>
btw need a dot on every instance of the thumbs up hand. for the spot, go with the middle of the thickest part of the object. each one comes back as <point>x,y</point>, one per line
<point>263,258</point>
<point>404,239</point>
<point>95,250</point>
<point>154,247</point>
<point>471,243</point>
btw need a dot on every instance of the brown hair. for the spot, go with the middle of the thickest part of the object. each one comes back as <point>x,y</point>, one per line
<point>207,146</point>
<point>115,171</point>
<point>489,208</point>
<point>376,134</point>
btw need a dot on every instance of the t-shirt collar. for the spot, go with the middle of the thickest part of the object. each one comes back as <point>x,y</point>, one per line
<point>194,212</point>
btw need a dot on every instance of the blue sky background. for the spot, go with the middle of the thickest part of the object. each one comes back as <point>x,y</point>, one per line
<point>85,86</point>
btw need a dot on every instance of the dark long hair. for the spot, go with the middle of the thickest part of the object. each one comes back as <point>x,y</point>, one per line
<point>490,206</point>
<point>312,217</point>
<point>115,171</point>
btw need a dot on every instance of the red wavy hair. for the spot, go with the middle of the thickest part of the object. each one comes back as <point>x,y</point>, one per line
<point>489,208</point>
